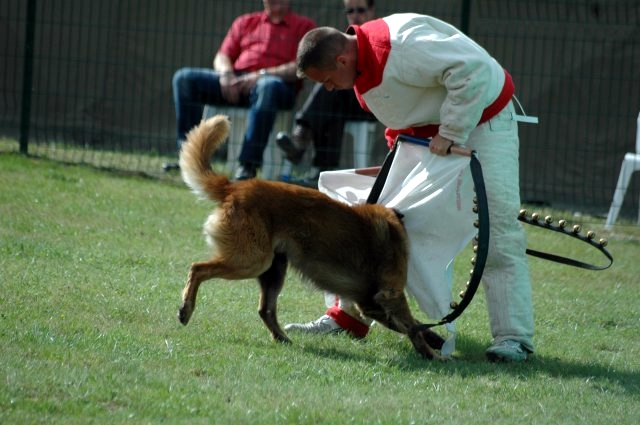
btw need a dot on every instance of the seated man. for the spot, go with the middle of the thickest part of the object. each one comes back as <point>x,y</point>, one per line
<point>254,68</point>
<point>321,120</point>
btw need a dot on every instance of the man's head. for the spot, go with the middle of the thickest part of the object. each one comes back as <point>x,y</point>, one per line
<point>276,9</point>
<point>359,11</point>
<point>328,56</point>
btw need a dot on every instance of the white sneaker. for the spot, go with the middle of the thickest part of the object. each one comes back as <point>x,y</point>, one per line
<point>507,351</point>
<point>324,325</point>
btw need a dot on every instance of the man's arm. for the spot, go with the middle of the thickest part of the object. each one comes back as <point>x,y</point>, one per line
<point>286,71</point>
<point>228,81</point>
<point>222,63</point>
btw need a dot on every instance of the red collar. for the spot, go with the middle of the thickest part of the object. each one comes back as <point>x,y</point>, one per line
<point>374,45</point>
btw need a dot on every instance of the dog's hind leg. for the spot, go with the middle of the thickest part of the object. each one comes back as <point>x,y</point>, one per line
<point>198,273</point>
<point>271,283</point>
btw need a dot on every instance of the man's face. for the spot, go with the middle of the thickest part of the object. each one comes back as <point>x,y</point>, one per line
<point>341,77</point>
<point>357,12</point>
<point>276,7</point>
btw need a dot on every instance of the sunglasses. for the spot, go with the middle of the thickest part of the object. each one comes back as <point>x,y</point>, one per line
<point>353,10</point>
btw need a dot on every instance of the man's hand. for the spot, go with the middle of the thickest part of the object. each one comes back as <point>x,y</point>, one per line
<point>230,87</point>
<point>440,145</point>
<point>247,81</point>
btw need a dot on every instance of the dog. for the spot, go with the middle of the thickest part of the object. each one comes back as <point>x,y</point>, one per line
<point>260,227</point>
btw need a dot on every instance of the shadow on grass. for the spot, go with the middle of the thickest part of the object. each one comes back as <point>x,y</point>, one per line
<point>470,361</point>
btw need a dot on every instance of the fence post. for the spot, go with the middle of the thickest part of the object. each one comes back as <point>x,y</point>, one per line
<point>27,82</point>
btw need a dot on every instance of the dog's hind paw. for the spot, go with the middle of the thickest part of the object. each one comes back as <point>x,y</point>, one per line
<point>184,314</point>
<point>281,339</point>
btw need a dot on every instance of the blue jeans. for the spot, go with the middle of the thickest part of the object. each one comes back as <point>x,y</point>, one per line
<point>195,87</point>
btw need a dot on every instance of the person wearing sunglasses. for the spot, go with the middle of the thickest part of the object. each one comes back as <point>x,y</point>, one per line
<point>320,123</point>
<point>359,11</point>
<point>321,120</point>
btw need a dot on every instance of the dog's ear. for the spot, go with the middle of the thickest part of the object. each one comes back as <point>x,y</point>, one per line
<point>398,214</point>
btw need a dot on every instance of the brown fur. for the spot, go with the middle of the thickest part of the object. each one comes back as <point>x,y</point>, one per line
<point>259,227</point>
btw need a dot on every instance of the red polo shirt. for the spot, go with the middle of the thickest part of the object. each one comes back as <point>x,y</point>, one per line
<point>254,42</point>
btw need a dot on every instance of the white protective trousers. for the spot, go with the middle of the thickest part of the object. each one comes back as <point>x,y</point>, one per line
<point>435,194</point>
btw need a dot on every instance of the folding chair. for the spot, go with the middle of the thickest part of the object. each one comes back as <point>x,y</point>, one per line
<point>630,164</point>
<point>272,159</point>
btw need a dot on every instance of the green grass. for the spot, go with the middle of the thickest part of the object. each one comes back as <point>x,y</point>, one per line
<point>91,268</point>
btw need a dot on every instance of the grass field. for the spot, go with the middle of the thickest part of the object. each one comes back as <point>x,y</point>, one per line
<point>92,265</point>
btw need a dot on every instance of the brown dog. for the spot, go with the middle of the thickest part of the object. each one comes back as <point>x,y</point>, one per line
<point>259,227</point>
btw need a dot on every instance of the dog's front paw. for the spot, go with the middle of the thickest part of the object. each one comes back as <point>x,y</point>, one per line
<point>423,348</point>
<point>439,357</point>
<point>185,312</point>
<point>434,340</point>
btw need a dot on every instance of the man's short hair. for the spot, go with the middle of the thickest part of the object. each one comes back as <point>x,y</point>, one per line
<point>319,49</point>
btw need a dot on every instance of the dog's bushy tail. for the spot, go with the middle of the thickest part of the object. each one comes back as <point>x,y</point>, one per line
<point>195,158</point>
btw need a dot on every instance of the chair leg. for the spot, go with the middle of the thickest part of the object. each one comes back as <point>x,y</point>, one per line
<point>618,197</point>
<point>362,143</point>
<point>638,222</point>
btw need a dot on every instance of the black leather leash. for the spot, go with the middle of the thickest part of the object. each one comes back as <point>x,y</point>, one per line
<point>381,178</point>
<point>561,227</point>
<point>482,239</point>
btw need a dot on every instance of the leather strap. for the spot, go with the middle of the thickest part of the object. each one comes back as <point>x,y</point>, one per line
<point>600,246</point>
<point>483,223</point>
<point>483,230</point>
<point>482,242</point>
<point>381,178</point>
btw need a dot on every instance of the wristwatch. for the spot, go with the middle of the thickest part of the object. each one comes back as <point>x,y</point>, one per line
<point>262,72</point>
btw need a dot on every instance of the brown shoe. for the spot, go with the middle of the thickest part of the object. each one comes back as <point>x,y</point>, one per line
<point>291,152</point>
<point>245,172</point>
<point>302,136</point>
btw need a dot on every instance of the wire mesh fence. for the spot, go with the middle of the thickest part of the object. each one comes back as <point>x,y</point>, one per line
<point>90,82</point>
